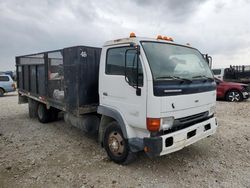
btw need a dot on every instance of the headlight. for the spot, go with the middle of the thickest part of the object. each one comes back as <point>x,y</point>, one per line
<point>167,123</point>
<point>212,110</point>
<point>244,88</point>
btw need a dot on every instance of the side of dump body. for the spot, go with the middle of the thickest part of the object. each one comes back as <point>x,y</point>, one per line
<point>66,79</point>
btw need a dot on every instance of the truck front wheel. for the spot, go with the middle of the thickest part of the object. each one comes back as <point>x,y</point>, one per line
<point>116,145</point>
<point>43,113</point>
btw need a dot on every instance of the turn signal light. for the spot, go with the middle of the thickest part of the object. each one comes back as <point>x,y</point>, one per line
<point>146,149</point>
<point>13,86</point>
<point>153,124</point>
<point>132,34</point>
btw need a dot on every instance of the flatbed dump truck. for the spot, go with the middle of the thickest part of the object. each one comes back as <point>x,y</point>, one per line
<point>137,94</point>
<point>234,73</point>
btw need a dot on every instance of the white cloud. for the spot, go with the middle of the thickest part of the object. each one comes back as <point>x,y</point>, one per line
<point>218,28</point>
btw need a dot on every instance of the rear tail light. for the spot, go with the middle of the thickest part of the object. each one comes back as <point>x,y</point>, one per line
<point>153,124</point>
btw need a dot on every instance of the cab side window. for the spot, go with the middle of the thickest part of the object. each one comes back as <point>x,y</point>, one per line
<point>115,62</point>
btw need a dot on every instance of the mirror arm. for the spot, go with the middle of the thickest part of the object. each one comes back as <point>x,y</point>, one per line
<point>138,90</point>
<point>125,66</point>
<point>137,71</point>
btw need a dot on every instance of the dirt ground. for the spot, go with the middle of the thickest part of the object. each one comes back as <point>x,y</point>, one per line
<point>58,155</point>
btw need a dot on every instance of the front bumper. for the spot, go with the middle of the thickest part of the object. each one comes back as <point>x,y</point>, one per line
<point>162,145</point>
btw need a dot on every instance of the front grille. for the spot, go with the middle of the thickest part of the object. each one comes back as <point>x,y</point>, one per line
<point>188,121</point>
<point>191,118</point>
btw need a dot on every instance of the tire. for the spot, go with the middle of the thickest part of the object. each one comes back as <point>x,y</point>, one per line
<point>116,145</point>
<point>32,108</point>
<point>1,92</point>
<point>43,114</point>
<point>53,112</point>
<point>234,96</point>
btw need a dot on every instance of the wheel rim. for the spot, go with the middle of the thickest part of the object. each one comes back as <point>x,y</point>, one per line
<point>234,96</point>
<point>116,143</point>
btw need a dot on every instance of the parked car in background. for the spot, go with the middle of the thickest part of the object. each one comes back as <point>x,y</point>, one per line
<point>231,91</point>
<point>6,84</point>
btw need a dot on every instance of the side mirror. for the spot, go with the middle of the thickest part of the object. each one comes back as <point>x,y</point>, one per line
<point>217,81</point>
<point>208,59</point>
<point>132,75</point>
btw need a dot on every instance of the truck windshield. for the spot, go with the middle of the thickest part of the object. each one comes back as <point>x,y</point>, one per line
<point>168,61</point>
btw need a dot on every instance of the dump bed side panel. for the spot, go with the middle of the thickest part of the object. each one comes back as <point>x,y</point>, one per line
<point>31,74</point>
<point>66,79</point>
<point>70,81</point>
<point>81,67</point>
<point>88,76</point>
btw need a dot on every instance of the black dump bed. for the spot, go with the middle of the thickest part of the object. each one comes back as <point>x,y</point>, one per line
<point>66,79</point>
<point>238,74</point>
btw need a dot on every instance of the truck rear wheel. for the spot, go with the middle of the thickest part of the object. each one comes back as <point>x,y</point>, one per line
<point>32,108</point>
<point>116,145</point>
<point>53,112</point>
<point>43,113</point>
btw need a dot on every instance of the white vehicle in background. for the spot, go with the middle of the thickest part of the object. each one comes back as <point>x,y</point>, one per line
<point>150,95</point>
<point>219,73</point>
<point>6,84</point>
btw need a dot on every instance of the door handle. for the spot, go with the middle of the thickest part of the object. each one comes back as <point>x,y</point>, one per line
<point>105,93</point>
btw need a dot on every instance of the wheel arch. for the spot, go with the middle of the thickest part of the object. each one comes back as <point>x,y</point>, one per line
<point>109,115</point>
<point>2,89</point>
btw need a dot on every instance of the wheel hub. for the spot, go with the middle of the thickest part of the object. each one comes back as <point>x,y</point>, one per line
<point>234,96</point>
<point>114,145</point>
<point>115,142</point>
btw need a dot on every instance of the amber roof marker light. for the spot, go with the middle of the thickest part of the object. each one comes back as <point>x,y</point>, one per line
<point>159,37</point>
<point>171,39</point>
<point>168,38</point>
<point>132,35</point>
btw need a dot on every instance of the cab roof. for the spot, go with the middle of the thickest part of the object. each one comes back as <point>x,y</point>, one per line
<point>137,40</point>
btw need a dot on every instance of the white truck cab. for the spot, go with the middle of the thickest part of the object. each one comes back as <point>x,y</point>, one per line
<point>161,96</point>
<point>137,94</point>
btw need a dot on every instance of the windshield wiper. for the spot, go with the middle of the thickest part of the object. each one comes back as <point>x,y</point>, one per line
<point>203,76</point>
<point>173,78</point>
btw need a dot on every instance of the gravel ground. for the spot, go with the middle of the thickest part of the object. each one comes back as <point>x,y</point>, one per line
<point>58,155</point>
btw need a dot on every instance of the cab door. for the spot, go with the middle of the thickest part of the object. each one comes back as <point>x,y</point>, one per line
<point>115,91</point>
